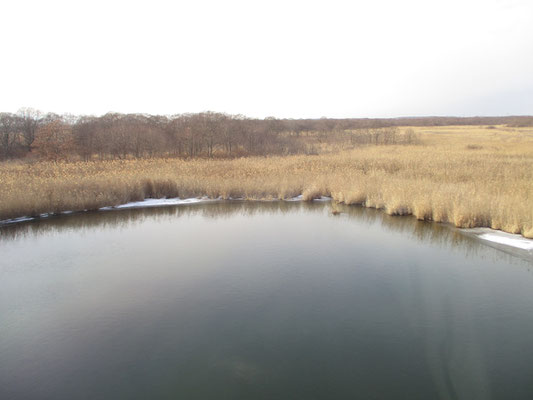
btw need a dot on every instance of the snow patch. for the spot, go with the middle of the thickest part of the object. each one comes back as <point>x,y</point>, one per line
<point>149,203</point>
<point>156,203</point>
<point>508,239</point>
<point>297,198</point>
<point>15,220</point>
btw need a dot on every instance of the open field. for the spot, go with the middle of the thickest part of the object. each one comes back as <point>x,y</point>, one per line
<point>470,176</point>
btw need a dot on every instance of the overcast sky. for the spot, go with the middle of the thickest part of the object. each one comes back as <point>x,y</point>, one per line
<point>379,58</point>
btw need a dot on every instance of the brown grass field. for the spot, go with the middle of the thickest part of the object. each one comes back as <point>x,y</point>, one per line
<point>464,175</point>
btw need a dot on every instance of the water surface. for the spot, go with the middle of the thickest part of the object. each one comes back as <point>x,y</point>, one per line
<point>276,300</point>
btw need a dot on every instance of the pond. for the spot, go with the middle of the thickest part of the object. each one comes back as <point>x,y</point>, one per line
<point>258,300</point>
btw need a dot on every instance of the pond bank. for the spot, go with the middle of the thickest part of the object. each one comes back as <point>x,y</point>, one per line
<point>501,240</point>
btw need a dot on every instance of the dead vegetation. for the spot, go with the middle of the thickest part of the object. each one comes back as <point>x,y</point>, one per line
<point>442,179</point>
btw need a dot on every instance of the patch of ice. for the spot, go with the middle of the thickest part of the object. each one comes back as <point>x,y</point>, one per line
<point>297,198</point>
<point>300,198</point>
<point>508,239</point>
<point>151,203</point>
<point>155,203</point>
<point>15,220</point>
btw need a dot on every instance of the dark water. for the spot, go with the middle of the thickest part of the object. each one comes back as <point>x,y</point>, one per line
<point>260,301</point>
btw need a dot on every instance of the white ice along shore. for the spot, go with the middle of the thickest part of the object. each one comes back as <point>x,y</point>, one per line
<point>156,203</point>
<point>486,234</point>
<point>508,239</point>
<point>146,203</point>
<point>177,201</point>
<point>501,239</point>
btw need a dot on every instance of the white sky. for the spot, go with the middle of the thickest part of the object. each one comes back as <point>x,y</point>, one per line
<point>372,58</point>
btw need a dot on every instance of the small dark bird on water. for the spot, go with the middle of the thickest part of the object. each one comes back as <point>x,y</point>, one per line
<point>335,212</point>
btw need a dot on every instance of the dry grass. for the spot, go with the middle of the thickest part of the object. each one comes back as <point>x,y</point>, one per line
<point>468,176</point>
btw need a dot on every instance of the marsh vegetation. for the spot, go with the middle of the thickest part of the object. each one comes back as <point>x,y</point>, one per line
<point>466,175</point>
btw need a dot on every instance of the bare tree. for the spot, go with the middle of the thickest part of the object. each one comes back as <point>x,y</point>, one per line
<point>85,135</point>
<point>54,140</point>
<point>8,134</point>
<point>30,119</point>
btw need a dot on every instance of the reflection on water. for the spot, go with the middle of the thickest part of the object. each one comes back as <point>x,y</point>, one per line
<point>260,300</point>
<point>439,234</point>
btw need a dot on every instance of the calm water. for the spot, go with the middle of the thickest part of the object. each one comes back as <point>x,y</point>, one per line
<point>260,301</point>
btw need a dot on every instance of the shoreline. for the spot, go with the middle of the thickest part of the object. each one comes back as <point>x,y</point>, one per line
<point>442,179</point>
<point>149,203</point>
<point>491,237</point>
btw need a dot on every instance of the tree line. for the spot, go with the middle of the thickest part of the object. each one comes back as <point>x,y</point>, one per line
<point>30,133</point>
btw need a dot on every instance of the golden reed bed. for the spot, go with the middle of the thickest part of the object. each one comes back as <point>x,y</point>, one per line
<point>464,175</point>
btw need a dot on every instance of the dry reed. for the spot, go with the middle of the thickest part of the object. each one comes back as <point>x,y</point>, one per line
<point>467,176</point>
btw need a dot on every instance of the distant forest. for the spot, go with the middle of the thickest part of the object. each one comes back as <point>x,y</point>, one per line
<point>32,134</point>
